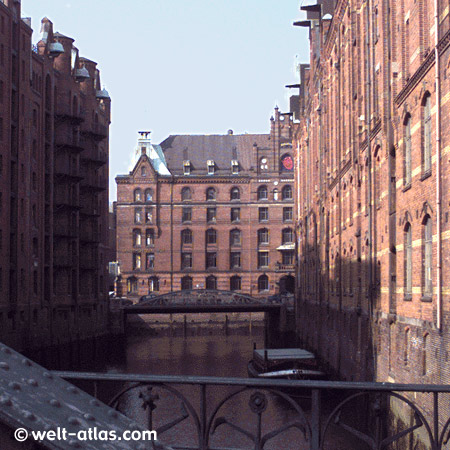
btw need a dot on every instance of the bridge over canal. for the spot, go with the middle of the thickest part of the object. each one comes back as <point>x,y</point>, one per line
<point>215,301</point>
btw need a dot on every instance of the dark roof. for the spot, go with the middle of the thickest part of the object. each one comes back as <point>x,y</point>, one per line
<point>222,149</point>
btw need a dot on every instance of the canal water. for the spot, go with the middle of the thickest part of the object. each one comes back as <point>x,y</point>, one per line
<point>207,355</point>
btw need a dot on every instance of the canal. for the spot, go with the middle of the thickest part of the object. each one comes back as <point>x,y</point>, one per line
<point>195,355</point>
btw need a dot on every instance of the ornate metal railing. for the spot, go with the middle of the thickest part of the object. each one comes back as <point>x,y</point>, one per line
<point>317,415</point>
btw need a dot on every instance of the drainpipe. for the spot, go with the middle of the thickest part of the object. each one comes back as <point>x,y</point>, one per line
<point>438,168</point>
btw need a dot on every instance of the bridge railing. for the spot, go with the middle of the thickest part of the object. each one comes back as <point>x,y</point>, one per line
<point>313,412</point>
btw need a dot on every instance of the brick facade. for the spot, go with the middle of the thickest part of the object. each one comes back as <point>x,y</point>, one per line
<point>370,225</point>
<point>53,188</point>
<point>221,217</point>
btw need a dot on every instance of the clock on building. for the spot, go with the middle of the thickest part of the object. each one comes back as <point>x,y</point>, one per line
<point>287,162</point>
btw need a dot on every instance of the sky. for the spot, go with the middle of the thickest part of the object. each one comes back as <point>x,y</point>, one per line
<point>183,67</point>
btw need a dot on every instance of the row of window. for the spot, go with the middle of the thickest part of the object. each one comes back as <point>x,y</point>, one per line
<point>186,283</point>
<point>210,260</point>
<point>146,196</point>
<point>235,214</point>
<point>235,193</point>
<point>287,236</point>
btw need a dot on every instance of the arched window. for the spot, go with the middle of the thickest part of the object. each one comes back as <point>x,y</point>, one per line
<point>426,139</point>
<point>408,260</point>
<point>407,346</point>
<point>186,283</point>
<point>149,195</point>
<point>185,194</point>
<point>137,238</point>
<point>210,194</point>
<point>211,236</point>
<point>287,236</point>
<point>235,283</point>
<point>263,236</point>
<point>262,193</point>
<point>286,193</point>
<point>235,193</point>
<point>407,168</point>
<point>426,354</point>
<point>235,237</point>
<point>186,237</point>
<point>211,282</point>
<point>149,237</point>
<point>427,256</point>
<point>263,283</point>
<point>132,285</point>
<point>137,195</point>
<point>153,284</point>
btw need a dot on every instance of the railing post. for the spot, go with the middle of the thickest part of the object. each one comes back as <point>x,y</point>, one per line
<point>435,420</point>
<point>204,438</point>
<point>315,419</point>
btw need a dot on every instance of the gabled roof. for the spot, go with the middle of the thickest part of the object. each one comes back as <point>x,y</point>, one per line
<point>222,149</point>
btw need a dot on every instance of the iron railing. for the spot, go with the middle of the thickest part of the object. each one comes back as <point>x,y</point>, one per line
<point>317,411</point>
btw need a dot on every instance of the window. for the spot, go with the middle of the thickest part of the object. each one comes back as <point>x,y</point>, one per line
<point>187,167</point>
<point>408,261</point>
<point>149,195</point>
<point>235,237</point>
<point>263,214</point>
<point>211,167</point>
<point>132,285</point>
<point>137,238</point>
<point>286,193</point>
<point>143,171</point>
<point>148,215</point>
<point>186,215</point>
<point>186,237</point>
<point>262,193</point>
<point>287,214</point>
<point>263,283</point>
<point>235,283</point>
<point>235,194</point>
<point>235,214</point>
<point>426,135</point>
<point>287,236</point>
<point>150,261</point>
<point>211,258</point>
<point>186,260</point>
<point>287,257</point>
<point>149,237</point>
<point>211,236</point>
<point>185,194</point>
<point>136,261</point>
<point>407,148</point>
<point>234,167</point>
<point>427,257</point>
<point>153,284</point>
<point>235,260</point>
<point>211,282</point>
<point>186,283</point>
<point>210,194</point>
<point>211,215</point>
<point>263,236</point>
<point>263,259</point>
<point>275,194</point>
<point>137,215</point>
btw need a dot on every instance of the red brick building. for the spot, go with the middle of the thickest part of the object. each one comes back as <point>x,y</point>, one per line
<point>373,190</point>
<point>209,212</point>
<point>54,121</point>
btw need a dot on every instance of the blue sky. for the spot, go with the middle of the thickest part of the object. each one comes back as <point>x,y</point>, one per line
<point>180,67</point>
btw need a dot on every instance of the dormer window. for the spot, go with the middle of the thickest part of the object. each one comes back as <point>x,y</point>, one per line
<point>187,167</point>
<point>234,167</point>
<point>211,167</point>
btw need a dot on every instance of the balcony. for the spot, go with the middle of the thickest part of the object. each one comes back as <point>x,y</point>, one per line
<point>95,158</point>
<point>64,173</point>
<point>64,230</point>
<point>89,236</point>
<point>63,260</point>
<point>63,112</point>
<point>93,183</point>
<point>96,131</point>
<point>67,141</point>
